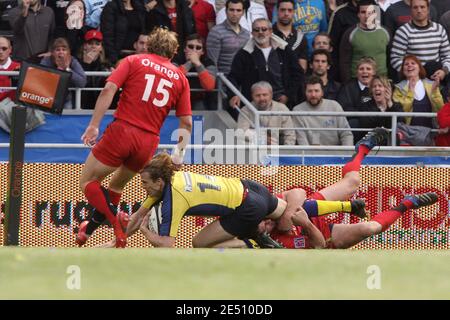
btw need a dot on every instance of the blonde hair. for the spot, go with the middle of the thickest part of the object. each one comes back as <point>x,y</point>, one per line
<point>160,166</point>
<point>163,42</point>
<point>385,81</point>
<point>367,60</point>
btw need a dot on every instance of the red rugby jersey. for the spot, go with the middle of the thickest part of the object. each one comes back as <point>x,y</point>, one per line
<point>151,86</point>
<point>293,239</point>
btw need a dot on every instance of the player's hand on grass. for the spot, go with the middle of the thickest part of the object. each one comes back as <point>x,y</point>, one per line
<point>299,217</point>
<point>109,244</point>
<point>90,135</point>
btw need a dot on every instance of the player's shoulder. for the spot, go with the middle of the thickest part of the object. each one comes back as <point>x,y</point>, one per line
<point>179,178</point>
<point>153,63</point>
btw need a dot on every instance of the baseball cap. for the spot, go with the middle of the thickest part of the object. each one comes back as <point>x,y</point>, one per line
<point>93,34</point>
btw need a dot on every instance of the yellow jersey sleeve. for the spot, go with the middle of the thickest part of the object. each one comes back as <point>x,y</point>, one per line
<point>149,202</point>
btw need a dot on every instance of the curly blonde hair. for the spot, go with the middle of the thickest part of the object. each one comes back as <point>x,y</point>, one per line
<point>160,166</point>
<point>163,42</point>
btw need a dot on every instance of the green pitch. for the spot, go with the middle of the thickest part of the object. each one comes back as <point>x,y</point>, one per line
<point>32,273</point>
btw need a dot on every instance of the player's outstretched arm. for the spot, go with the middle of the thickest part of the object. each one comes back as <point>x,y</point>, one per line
<point>136,220</point>
<point>103,103</point>
<point>300,218</point>
<point>294,199</point>
<point>155,239</point>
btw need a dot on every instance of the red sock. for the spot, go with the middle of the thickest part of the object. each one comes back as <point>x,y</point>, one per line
<point>387,218</point>
<point>96,198</point>
<point>355,163</point>
<point>114,197</point>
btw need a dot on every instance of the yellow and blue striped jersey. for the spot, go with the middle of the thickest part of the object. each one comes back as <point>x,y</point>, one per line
<point>197,195</point>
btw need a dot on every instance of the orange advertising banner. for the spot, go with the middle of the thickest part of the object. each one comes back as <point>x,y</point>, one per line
<point>39,87</point>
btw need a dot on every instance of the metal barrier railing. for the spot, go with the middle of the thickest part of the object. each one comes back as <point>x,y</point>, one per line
<point>78,91</point>
<point>222,80</point>
<point>258,114</point>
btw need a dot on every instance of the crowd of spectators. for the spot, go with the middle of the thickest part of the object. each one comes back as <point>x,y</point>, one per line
<point>301,55</point>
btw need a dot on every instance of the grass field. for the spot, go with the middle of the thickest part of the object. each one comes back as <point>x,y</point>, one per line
<point>31,273</point>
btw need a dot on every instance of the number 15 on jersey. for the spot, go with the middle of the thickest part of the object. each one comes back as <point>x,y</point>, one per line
<point>161,88</point>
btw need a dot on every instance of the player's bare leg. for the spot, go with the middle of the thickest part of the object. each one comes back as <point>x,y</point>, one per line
<point>119,180</point>
<point>90,183</point>
<point>343,189</point>
<point>345,236</point>
<point>233,243</point>
<point>211,235</point>
<point>93,169</point>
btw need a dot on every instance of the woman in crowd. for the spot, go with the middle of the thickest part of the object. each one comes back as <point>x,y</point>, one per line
<point>62,59</point>
<point>381,90</point>
<point>416,93</point>
<point>92,58</point>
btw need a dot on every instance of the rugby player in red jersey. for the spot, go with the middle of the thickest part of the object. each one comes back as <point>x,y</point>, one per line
<point>317,232</point>
<point>151,87</point>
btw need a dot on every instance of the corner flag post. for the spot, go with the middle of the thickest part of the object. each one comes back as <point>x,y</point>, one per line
<point>15,173</point>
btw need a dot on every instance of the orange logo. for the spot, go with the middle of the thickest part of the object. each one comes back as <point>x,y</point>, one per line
<point>39,87</point>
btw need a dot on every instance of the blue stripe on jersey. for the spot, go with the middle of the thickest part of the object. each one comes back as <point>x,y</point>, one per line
<point>209,209</point>
<point>166,211</point>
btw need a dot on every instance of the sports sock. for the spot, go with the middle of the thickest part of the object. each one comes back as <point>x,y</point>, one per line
<point>355,163</point>
<point>387,218</point>
<point>316,208</point>
<point>114,197</point>
<point>98,198</point>
<point>96,221</point>
<point>98,218</point>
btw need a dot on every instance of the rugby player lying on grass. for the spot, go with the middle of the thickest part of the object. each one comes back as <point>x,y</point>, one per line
<point>307,235</point>
<point>240,205</point>
<point>304,235</point>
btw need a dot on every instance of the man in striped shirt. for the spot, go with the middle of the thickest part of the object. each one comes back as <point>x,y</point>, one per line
<point>425,39</point>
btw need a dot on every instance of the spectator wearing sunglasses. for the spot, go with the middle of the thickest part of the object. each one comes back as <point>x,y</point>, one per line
<point>266,57</point>
<point>195,60</point>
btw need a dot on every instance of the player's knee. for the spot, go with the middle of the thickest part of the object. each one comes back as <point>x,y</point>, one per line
<point>338,244</point>
<point>82,185</point>
<point>369,229</point>
<point>353,182</point>
<point>372,228</point>
<point>196,243</point>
